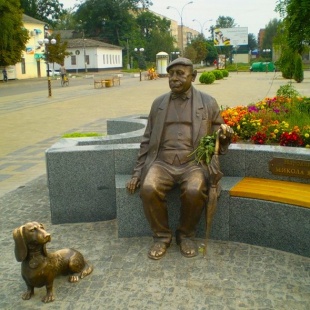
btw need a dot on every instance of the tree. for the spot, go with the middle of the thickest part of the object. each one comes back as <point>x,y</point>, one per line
<point>211,52</point>
<point>225,22</point>
<point>111,21</point>
<point>67,21</point>
<point>190,53</point>
<point>199,46</point>
<point>158,42</point>
<point>271,30</point>
<point>57,52</point>
<point>48,11</point>
<point>252,42</point>
<point>298,72</point>
<point>154,34</point>
<point>13,35</point>
<point>296,15</point>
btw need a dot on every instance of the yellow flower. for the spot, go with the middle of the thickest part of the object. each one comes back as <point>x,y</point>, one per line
<point>238,127</point>
<point>276,131</point>
<point>307,135</point>
<point>308,146</point>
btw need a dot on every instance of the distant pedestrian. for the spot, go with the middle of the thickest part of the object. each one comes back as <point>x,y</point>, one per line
<point>5,75</point>
<point>63,71</point>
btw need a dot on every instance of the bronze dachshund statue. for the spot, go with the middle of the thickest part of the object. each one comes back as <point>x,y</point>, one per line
<point>39,268</point>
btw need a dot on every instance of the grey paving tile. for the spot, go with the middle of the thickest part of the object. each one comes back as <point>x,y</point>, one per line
<point>234,275</point>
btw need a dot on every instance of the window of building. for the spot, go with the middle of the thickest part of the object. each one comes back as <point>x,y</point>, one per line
<point>87,59</point>
<point>73,60</point>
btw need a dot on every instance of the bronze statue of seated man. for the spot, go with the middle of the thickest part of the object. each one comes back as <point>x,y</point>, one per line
<point>177,121</point>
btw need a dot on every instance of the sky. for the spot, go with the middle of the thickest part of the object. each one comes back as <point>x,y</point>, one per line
<point>252,14</point>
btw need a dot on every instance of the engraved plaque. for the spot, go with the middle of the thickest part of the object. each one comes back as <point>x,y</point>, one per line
<point>290,167</point>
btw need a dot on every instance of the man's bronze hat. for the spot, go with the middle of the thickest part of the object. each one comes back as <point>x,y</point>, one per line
<point>179,61</point>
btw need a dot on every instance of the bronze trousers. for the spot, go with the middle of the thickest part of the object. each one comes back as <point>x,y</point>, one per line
<point>159,180</point>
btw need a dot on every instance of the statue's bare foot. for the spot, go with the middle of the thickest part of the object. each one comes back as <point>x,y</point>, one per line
<point>158,250</point>
<point>188,248</point>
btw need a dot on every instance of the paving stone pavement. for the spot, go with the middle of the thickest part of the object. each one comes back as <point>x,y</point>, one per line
<point>233,276</point>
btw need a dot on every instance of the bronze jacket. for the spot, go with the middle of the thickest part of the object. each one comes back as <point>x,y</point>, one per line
<point>206,119</point>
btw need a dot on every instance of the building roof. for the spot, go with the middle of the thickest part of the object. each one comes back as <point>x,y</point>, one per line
<point>29,19</point>
<point>78,43</point>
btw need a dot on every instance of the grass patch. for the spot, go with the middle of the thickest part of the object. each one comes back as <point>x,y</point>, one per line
<point>81,134</point>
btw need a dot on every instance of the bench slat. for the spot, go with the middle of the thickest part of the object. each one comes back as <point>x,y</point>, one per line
<point>273,190</point>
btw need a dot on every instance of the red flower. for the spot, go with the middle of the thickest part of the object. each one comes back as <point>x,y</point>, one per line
<point>259,138</point>
<point>290,139</point>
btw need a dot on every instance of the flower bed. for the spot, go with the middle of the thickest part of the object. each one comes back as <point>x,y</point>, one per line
<point>279,120</point>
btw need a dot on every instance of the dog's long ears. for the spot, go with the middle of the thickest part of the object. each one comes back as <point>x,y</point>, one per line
<point>20,245</point>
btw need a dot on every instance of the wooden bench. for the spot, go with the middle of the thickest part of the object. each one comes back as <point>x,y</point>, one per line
<point>273,190</point>
<point>108,82</point>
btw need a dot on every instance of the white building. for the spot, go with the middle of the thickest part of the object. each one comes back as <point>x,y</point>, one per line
<point>98,56</point>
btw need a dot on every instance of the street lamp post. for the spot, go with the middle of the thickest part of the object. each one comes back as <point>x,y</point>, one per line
<point>140,51</point>
<point>84,49</point>
<point>181,17</point>
<point>202,25</point>
<point>46,43</point>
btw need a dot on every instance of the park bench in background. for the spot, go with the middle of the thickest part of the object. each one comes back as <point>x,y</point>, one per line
<point>107,81</point>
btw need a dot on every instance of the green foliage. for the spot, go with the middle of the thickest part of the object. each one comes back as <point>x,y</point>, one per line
<point>211,52</point>
<point>270,33</point>
<point>225,73</point>
<point>205,149</point>
<point>200,47</point>
<point>13,37</point>
<point>81,134</point>
<point>108,20</point>
<point>207,78</point>
<point>218,74</point>
<point>58,51</point>
<point>252,42</point>
<point>225,22</point>
<point>298,72</point>
<point>297,22</point>
<point>287,91</point>
<point>285,63</point>
<point>190,53</point>
<point>296,15</point>
<point>48,11</point>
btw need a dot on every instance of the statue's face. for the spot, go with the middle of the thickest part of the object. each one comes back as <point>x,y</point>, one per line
<point>181,78</point>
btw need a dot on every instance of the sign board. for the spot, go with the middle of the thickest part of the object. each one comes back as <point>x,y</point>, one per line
<point>230,36</point>
<point>290,167</point>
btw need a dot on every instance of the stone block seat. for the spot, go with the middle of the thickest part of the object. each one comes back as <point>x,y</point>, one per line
<point>87,182</point>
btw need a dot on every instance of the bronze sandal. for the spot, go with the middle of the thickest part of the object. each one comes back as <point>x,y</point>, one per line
<point>158,250</point>
<point>188,248</point>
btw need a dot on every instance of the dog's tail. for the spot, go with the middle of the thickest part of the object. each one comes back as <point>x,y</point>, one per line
<point>86,270</point>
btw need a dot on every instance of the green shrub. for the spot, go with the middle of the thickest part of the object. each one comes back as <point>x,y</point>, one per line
<point>218,74</point>
<point>225,73</point>
<point>298,72</point>
<point>287,91</point>
<point>207,78</point>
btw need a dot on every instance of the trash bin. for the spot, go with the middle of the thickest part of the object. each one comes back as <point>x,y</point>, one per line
<point>262,67</point>
<point>257,67</point>
<point>108,83</point>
